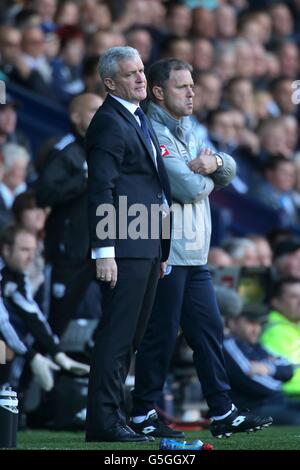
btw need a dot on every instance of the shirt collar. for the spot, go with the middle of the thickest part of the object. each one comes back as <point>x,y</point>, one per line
<point>7,195</point>
<point>131,107</point>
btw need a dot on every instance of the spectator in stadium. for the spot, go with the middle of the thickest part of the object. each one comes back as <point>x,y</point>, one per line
<point>290,126</point>
<point>46,9</point>
<point>257,377</point>
<point>288,55</point>
<point>123,160</point>
<point>90,76</point>
<point>260,76</point>
<point>178,19</point>
<point>67,67</point>
<point>264,105</point>
<point>240,96</point>
<point>9,131</point>
<point>273,70</point>
<point>24,322</point>
<point>203,55</point>
<point>13,180</point>
<point>67,13</point>
<point>281,335</point>
<point>140,39</point>
<point>263,250</point>
<point>228,133</point>
<point>185,296</point>
<point>281,92</point>
<point>211,89</point>
<point>251,29</point>
<point>242,251</point>
<point>94,16</point>
<point>273,140</point>
<point>27,17</point>
<point>179,48</point>
<point>282,21</point>
<point>221,131</point>
<point>226,22</point>
<point>10,48</point>
<point>29,216</point>
<point>33,69</point>
<point>247,147</point>
<point>100,41</point>
<point>219,257</point>
<point>245,65</point>
<point>225,62</point>
<point>287,257</point>
<point>276,191</point>
<point>62,186</point>
<point>203,23</point>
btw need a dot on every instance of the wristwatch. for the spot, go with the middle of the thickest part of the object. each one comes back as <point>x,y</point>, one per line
<point>219,160</point>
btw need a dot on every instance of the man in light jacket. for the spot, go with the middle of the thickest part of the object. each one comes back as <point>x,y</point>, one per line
<point>186,296</point>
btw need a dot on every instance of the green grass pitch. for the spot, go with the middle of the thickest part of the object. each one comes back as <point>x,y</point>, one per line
<point>273,438</point>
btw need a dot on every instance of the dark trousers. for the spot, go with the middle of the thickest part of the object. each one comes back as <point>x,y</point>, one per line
<point>125,313</point>
<point>69,284</point>
<point>185,297</point>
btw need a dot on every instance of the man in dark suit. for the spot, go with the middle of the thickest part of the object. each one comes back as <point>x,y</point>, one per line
<point>125,173</point>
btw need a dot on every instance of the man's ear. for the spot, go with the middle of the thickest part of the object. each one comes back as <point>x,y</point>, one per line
<point>110,84</point>
<point>158,93</point>
<point>75,118</point>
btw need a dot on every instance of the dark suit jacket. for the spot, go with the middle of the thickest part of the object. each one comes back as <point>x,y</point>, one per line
<point>121,164</point>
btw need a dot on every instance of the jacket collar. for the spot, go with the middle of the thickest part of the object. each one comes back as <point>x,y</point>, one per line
<point>178,127</point>
<point>277,317</point>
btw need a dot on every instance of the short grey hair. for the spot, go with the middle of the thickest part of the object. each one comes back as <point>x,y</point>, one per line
<point>236,247</point>
<point>109,61</point>
<point>12,153</point>
<point>230,302</point>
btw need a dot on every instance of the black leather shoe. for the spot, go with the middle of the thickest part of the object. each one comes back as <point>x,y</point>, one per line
<point>239,422</point>
<point>118,433</point>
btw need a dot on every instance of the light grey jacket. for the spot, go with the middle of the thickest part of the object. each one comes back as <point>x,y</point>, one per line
<point>191,230</point>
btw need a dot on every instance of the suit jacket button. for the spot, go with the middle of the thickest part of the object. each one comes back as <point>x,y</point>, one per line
<point>159,195</point>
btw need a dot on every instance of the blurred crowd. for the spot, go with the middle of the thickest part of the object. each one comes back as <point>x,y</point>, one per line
<point>245,58</point>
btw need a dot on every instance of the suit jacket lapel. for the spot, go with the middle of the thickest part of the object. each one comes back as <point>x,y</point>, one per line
<point>129,117</point>
<point>158,163</point>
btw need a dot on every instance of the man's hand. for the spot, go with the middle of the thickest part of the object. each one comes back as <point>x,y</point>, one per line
<point>163,267</point>
<point>43,368</point>
<point>107,271</point>
<point>69,364</point>
<point>259,368</point>
<point>205,163</point>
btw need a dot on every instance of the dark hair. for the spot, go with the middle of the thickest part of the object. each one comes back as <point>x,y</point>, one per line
<point>173,4</point>
<point>276,82</point>
<point>90,64</point>
<point>274,162</point>
<point>278,286</point>
<point>168,44</point>
<point>23,17</point>
<point>23,201</point>
<point>159,72</point>
<point>216,112</point>
<point>9,234</point>
<point>233,81</point>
